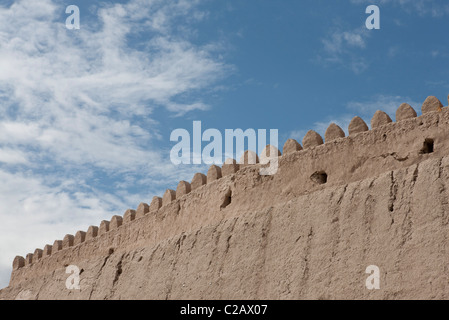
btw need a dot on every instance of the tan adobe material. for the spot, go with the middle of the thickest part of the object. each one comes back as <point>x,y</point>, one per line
<point>308,231</point>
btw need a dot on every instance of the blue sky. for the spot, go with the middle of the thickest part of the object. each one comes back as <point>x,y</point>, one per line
<point>86,115</point>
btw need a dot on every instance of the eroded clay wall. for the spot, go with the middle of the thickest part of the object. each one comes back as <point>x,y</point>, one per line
<point>236,189</point>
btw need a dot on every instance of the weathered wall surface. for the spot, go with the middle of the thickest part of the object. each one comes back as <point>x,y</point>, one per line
<point>290,235</point>
<point>316,246</point>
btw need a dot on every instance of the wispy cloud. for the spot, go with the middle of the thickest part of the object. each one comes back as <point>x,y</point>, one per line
<point>339,41</point>
<point>343,48</point>
<point>386,103</point>
<point>79,111</point>
<point>435,8</point>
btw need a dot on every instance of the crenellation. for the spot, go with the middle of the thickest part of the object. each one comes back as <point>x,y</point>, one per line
<point>156,204</point>
<point>182,189</point>
<point>291,146</point>
<point>129,216</point>
<point>198,180</point>
<point>431,104</point>
<point>142,209</point>
<point>29,259</point>
<point>19,262</point>
<point>116,222</point>
<point>248,158</point>
<point>47,250</point>
<point>104,227</point>
<point>357,125</point>
<point>229,167</point>
<point>404,112</point>
<point>68,241</point>
<point>80,237</point>
<point>169,196</point>
<point>214,173</point>
<point>380,118</point>
<point>37,255</point>
<point>268,153</point>
<point>312,167</point>
<point>57,246</point>
<point>312,139</point>
<point>92,232</point>
<point>333,132</point>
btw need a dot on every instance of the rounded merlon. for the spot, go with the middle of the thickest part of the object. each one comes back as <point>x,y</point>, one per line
<point>230,161</point>
<point>80,237</point>
<point>198,180</point>
<point>268,153</point>
<point>116,222</point>
<point>431,104</point>
<point>405,111</point>
<point>29,259</point>
<point>182,189</point>
<point>57,246</point>
<point>142,210</point>
<point>104,227</point>
<point>47,250</point>
<point>156,204</point>
<point>92,232</point>
<point>320,175</point>
<point>68,241</point>
<point>214,173</point>
<point>229,167</point>
<point>169,196</point>
<point>312,139</point>
<point>19,262</point>
<point>248,158</point>
<point>333,132</point>
<point>379,119</point>
<point>37,254</point>
<point>291,146</point>
<point>129,216</point>
<point>357,125</point>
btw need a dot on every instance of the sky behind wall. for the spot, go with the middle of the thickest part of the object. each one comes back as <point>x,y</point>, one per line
<point>86,115</point>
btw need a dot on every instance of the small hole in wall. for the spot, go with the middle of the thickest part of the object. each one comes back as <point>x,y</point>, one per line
<point>428,146</point>
<point>111,251</point>
<point>319,177</point>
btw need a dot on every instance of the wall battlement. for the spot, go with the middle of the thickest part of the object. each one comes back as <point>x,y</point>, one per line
<point>238,187</point>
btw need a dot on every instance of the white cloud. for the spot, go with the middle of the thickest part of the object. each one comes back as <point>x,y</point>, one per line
<point>354,39</point>
<point>79,112</point>
<point>11,156</point>
<point>434,8</point>
<point>34,213</point>
<point>343,48</point>
<point>339,41</point>
<point>387,103</point>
